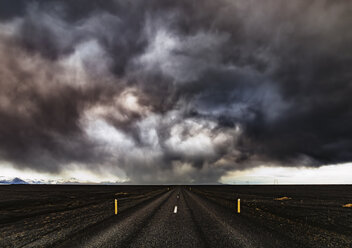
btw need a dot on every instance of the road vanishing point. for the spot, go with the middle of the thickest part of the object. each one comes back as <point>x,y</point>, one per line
<point>178,218</point>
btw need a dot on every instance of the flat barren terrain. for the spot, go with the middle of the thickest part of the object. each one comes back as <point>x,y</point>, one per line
<point>175,216</point>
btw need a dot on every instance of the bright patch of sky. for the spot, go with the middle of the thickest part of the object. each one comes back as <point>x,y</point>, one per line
<point>71,174</point>
<point>328,174</point>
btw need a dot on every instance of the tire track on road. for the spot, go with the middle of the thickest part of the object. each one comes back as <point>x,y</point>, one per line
<point>119,233</point>
<point>227,226</point>
<point>198,225</point>
<point>217,231</point>
<point>170,229</point>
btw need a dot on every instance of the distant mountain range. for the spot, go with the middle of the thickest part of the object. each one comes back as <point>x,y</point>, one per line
<point>15,180</point>
<point>18,180</point>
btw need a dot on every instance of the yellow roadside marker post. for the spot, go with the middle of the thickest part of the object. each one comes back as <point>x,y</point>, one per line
<point>115,206</point>
<point>238,205</point>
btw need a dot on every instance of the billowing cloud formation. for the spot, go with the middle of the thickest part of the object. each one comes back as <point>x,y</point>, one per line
<point>175,91</point>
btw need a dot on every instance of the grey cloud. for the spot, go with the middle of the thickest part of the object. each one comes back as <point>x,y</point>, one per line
<point>174,91</point>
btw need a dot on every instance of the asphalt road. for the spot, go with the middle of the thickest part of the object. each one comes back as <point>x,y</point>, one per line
<point>179,218</point>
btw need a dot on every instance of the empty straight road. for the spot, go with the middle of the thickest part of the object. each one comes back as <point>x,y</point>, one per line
<point>179,218</point>
<point>158,216</point>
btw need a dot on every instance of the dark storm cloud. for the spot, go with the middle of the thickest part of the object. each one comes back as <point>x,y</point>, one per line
<point>175,91</point>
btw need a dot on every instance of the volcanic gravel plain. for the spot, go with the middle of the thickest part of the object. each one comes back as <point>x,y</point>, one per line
<point>175,216</point>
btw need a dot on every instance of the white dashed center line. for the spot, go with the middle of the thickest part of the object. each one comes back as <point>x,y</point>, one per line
<point>175,210</point>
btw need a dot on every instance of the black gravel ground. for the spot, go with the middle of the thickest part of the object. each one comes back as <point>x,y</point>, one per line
<point>82,216</point>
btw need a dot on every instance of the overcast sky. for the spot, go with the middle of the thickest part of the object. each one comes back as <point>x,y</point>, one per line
<point>187,91</point>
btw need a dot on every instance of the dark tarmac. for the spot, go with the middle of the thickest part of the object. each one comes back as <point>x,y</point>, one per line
<point>181,217</point>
